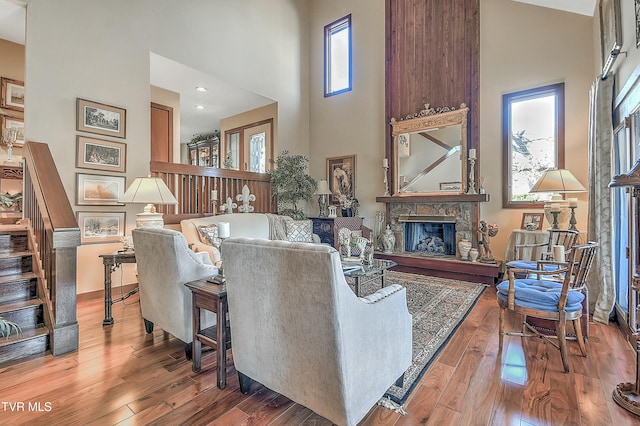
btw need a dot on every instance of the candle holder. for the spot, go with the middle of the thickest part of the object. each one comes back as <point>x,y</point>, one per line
<point>573,221</point>
<point>386,181</point>
<point>555,214</point>
<point>472,178</point>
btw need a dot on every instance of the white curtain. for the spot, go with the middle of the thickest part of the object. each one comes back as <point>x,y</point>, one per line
<point>599,229</point>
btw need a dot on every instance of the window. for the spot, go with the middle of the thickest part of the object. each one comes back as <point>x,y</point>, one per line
<point>337,56</point>
<point>533,140</point>
<point>249,148</point>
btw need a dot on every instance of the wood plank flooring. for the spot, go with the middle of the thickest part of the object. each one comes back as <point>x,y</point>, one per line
<point>122,376</point>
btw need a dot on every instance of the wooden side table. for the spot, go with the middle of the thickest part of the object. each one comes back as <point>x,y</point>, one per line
<point>213,298</point>
<point>111,262</point>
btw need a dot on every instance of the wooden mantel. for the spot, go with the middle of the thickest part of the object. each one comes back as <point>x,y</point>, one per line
<point>435,198</point>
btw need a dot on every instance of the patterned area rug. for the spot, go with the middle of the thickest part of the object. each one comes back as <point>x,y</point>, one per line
<point>438,306</point>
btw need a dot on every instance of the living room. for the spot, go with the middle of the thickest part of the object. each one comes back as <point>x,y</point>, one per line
<point>101,52</point>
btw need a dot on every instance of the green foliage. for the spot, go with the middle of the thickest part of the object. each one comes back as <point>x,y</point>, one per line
<point>6,327</point>
<point>205,136</point>
<point>291,184</point>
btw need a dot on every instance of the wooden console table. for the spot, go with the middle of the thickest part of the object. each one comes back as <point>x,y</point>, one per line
<point>111,262</point>
<point>213,298</point>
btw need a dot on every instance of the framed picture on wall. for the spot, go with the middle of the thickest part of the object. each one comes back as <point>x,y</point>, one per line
<point>101,227</point>
<point>99,154</point>
<point>14,123</point>
<point>341,175</point>
<point>102,119</point>
<point>12,94</point>
<point>610,32</point>
<point>99,190</point>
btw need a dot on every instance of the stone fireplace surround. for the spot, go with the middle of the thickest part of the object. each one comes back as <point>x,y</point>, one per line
<point>461,208</point>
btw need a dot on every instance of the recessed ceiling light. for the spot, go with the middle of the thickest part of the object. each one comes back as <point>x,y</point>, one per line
<point>201,89</point>
<point>199,106</point>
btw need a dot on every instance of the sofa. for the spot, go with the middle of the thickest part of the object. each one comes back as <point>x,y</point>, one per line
<point>298,329</point>
<point>251,225</point>
<point>165,263</point>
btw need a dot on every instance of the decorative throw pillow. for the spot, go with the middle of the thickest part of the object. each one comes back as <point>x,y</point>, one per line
<point>209,235</point>
<point>300,231</point>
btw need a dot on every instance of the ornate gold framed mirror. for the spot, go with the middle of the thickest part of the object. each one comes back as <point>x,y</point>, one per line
<point>430,151</point>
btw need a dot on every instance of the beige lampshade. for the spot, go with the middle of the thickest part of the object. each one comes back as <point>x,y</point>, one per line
<point>149,191</point>
<point>558,180</point>
<point>323,188</point>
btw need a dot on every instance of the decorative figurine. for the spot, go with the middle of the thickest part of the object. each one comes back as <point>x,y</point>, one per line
<point>388,240</point>
<point>486,232</point>
<point>246,197</point>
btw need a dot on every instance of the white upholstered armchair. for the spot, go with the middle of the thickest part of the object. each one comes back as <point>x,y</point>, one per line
<point>165,263</point>
<point>298,328</point>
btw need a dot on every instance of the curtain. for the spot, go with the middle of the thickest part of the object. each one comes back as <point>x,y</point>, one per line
<point>599,229</point>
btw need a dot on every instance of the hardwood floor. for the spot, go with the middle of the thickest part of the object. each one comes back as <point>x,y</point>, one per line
<point>122,376</point>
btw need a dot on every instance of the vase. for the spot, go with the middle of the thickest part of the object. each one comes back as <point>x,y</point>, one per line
<point>347,212</point>
<point>464,246</point>
<point>473,254</point>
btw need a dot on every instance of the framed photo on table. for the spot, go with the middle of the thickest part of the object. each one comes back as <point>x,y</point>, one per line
<point>102,119</point>
<point>99,190</point>
<point>98,154</point>
<point>341,174</point>
<point>101,227</point>
<point>532,218</point>
<point>12,94</point>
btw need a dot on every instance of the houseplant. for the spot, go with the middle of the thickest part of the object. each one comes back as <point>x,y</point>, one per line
<point>6,326</point>
<point>292,184</point>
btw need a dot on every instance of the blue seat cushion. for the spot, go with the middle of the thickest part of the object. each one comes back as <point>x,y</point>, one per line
<point>540,294</point>
<point>529,264</point>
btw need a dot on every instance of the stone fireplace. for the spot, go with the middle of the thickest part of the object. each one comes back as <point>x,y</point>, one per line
<point>428,227</point>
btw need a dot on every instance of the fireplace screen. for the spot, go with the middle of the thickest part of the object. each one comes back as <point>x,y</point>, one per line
<point>434,239</point>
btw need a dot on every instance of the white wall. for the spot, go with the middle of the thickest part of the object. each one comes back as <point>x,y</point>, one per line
<point>352,122</point>
<point>100,51</point>
<point>547,47</point>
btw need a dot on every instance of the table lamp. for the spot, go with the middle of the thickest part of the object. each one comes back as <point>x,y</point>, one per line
<point>149,191</point>
<point>557,182</point>
<point>323,190</point>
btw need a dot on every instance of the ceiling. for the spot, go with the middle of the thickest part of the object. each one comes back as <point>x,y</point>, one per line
<point>181,79</point>
<point>169,75</point>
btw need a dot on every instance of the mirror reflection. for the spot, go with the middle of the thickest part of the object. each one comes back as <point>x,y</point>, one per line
<point>430,151</point>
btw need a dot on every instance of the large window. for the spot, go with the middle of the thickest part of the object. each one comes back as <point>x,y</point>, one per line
<point>533,138</point>
<point>337,56</point>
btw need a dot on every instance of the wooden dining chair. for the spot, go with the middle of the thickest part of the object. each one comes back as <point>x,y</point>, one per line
<point>557,237</point>
<point>558,297</point>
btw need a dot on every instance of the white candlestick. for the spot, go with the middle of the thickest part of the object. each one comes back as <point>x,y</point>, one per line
<point>223,229</point>
<point>472,153</point>
<point>573,202</point>
<point>555,207</point>
<point>385,162</point>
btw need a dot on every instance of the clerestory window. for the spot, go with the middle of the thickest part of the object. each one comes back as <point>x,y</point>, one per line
<point>337,56</point>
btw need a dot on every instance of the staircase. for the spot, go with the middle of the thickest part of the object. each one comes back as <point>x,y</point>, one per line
<point>20,301</point>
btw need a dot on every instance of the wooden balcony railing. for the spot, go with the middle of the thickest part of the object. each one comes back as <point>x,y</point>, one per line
<point>193,187</point>
<point>56,235</point>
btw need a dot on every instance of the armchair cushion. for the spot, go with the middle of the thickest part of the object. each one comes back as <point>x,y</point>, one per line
<point>540,294</point>
<point>209,234</point>
<point>530,264</point>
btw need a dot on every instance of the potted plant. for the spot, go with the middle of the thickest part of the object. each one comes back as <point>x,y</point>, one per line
<point>291,184</point>
<point>7,326</point>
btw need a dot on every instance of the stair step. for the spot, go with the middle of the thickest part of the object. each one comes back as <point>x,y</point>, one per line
<point>18,287</point>
<point>15,263</point>
<point>26,344</point>
<point>13,240</point>
<point>27,314</point>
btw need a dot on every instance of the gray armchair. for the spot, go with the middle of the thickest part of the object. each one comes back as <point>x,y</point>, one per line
<point>165,263</point>
<point>298,328</point>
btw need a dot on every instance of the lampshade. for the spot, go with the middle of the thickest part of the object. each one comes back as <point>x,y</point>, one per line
<point>631,178</point>
<point>149,191</point>
<point>323,188</point>
<point>558,180</point>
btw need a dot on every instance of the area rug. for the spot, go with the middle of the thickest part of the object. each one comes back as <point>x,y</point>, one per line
<point>438,306</point>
